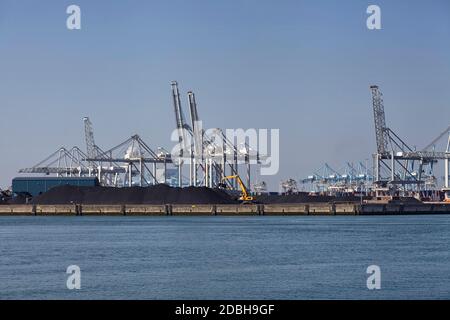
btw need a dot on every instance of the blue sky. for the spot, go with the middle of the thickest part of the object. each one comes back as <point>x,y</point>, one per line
<point>301,66</point>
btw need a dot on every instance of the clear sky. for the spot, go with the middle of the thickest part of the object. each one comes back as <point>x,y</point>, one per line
<point>301,66</point>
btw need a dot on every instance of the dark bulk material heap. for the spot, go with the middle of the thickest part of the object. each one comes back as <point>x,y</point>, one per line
<point>5,196</point>
<point>162,194</point>
<point>19,199</point>
<point>304,197</point>
<point>158,194</point>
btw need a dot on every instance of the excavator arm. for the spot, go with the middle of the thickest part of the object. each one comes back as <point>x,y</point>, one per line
<point>244,192</point>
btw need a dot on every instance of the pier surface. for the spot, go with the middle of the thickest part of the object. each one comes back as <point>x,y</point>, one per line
<point>227,209</point>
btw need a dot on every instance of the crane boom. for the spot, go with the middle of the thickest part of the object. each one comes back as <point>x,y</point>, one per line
<point>89,136</point>
<point>197,132</point>
<point>381,131</point>
<point>447,131</point>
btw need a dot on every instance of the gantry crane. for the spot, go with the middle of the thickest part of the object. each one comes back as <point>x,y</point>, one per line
<point>395,156</point>
<point>210,151</point>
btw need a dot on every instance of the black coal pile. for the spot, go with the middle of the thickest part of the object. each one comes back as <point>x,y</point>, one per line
<point>158,194</point>
<point>19,199</point>
<point>304,197</point>
<point>5,197</point>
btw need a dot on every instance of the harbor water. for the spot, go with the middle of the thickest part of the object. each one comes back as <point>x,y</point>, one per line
<point>257,257</point>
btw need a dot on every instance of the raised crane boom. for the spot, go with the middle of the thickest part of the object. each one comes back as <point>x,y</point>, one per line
<point>196,131</point>
<point>381,131</point>
<point>179,117</point>
<point>89,135</point>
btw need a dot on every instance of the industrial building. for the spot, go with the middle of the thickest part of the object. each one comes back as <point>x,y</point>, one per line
<point>34,186</point>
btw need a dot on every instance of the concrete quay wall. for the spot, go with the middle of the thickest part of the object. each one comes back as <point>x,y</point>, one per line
<point>312,209</point>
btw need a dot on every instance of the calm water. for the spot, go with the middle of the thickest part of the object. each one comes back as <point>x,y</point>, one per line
<point>225,257</point>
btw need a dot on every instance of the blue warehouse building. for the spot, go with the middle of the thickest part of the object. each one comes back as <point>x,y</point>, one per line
<point>37,185</point>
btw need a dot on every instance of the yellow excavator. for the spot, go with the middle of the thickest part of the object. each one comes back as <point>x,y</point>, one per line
<point>245,197</point>
<point>447,195</point>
